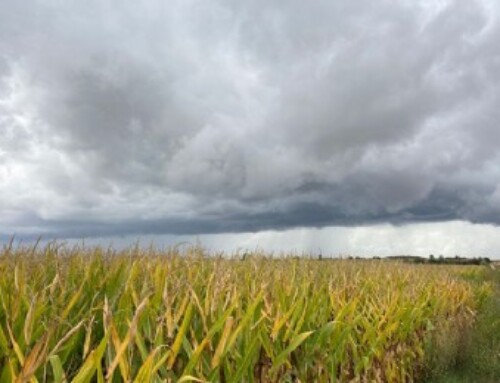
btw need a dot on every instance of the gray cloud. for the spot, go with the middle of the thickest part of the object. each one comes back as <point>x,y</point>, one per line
<point>219,116</point>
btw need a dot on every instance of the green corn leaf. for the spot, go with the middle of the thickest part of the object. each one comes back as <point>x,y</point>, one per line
<point>91,364</point>
<point>295,342</point>
<point>57,369</point>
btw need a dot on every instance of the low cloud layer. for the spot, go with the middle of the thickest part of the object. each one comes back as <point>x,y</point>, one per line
<point>215,116</point>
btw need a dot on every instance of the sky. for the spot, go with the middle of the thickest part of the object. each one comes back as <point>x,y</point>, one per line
<point>349,126</point>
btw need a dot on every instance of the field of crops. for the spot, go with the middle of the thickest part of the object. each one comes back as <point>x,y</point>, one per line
<point>85,315</point>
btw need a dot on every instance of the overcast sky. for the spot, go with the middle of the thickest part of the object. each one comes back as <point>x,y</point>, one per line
<point>183,118</point>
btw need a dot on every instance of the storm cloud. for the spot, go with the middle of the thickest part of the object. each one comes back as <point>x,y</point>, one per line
<point>211,116</point>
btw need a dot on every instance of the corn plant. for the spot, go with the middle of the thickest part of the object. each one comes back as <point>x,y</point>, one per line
<point>93,314</point>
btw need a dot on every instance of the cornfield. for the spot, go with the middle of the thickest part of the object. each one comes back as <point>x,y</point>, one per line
<point>100,315</point>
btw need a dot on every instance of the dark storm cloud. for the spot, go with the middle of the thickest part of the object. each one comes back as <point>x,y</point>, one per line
<point>219,116</point>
